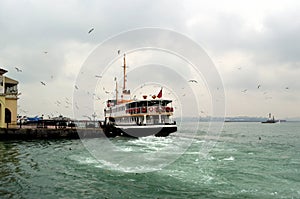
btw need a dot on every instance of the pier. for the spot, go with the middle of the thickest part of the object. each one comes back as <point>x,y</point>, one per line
<point>52,129</point>
<point>48,133</point>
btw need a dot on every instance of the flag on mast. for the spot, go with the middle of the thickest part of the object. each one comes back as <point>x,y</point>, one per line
<point>159,95</point>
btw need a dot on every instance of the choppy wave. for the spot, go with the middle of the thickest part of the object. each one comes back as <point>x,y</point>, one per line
<point>238,166</point>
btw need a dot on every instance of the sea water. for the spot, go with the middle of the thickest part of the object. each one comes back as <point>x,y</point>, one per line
<point>246,160</point>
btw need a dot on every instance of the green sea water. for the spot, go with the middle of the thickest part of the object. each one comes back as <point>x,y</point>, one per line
<point>240,165</point>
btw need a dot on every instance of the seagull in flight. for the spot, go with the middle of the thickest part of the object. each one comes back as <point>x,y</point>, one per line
<point>258,86</point>
<point>91,30</point>
<point>43,83</point>
<point>18,70</point>
<point>98,76</point>
<point>76,87</point>
<point>119,52</point>
<point>192,80</point>
<point>244,91</point>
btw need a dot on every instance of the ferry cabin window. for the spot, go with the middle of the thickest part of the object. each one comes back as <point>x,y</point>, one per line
<point>142,103</point>
<point>157,102</point>
<point>145,104</point>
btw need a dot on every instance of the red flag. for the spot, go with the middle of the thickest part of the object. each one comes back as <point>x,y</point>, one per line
<point>159,94</point>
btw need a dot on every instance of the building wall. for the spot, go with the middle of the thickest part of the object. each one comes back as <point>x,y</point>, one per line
<point>2,112</point>
<point>11,104</point>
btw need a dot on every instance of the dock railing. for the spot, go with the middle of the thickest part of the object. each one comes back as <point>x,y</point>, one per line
<point>55,124</point>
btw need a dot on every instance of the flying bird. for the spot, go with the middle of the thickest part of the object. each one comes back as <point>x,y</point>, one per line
<point>76,87</point>
<point>192,80</point>
<point>98,76</point>
<point>286,88</point>
<point>91,30</point>
<point>45,52</point>
<point>258,86</point>
<point>18,70</point>
<point>57,103</point>
<point>119,52</point>
<point>244,91</point>
<point>43,83</point>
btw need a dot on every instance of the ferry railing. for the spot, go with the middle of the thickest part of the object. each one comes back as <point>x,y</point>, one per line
<point>150,109</point>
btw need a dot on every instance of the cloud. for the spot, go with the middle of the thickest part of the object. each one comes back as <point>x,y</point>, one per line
<point>261,37</point>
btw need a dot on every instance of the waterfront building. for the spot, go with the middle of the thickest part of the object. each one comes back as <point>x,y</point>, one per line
<point>8,100</point>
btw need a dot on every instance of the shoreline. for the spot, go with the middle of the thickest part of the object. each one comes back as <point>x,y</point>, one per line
<point>47,133</point>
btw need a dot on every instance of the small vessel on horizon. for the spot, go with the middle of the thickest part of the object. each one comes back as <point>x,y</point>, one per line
<point>270,120</point>
<point>138,118</point>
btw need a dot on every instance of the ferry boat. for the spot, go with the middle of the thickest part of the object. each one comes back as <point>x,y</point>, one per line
<point>138,118</point>
<point>270,120</point>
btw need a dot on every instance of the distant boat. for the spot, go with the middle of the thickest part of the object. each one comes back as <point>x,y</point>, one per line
<point>270,120</point>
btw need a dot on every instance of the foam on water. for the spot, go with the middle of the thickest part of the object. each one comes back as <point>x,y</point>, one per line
<point>231,158</point>
<point>84,160</point>
<point>103,164</point>
<point>124,149</point>
<point>118,167</point>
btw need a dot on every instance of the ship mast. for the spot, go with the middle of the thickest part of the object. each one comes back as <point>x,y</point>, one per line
<point>125,93</point>
<point>124,73</point>
<point>116,91</point>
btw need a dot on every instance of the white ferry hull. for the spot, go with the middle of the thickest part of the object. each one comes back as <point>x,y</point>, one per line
<point>139,131</point>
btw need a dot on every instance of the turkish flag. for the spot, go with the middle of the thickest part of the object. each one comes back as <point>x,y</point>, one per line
<point>159,95</point>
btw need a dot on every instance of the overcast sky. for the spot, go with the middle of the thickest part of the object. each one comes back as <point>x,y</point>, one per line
<point>251,43</point>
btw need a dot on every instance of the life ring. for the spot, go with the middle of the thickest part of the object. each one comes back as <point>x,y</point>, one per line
<point>144,110</point>
<point>150,109</point>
